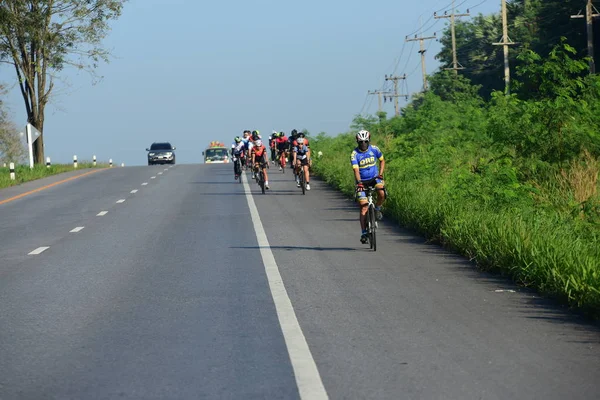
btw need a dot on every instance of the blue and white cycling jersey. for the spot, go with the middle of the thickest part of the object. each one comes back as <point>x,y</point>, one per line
<point>246,142</point>
<point>366,162</point>
<point>237,148</point>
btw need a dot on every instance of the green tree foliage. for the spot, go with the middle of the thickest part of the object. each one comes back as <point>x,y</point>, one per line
<point>11,148</point>
<point>554,116</point>
<point>39,38</point>
<point>534,25</point>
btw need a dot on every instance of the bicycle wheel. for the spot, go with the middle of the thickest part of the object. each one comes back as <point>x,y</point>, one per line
<point>373,228</point>
<point>302,181</point>
<point>261,178</point>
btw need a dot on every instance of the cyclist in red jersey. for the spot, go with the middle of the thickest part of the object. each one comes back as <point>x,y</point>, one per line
<point>259,159</point>
<point>282,145</point>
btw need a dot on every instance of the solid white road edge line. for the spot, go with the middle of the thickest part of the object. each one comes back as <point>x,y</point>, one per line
<point>308,380</point>
<point>102,213</point>
<point>39,250</point>
<point>75,230</point>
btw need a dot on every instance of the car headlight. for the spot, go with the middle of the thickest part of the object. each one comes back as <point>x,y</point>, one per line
<point>150,154</point>
<point>168,154</point>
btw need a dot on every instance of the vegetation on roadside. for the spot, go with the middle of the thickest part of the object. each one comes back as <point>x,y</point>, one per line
<point>24,174</point>
<point>511,182</point>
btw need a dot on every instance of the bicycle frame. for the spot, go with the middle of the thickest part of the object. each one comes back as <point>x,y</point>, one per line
<point>371,220</point>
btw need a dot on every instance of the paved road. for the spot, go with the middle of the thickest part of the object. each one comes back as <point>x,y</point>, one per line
<point>190,288</point>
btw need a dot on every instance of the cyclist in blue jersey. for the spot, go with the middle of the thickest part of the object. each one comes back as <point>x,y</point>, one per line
<point>247,141</point>
<point>237,152</point>
<point>364,163</point>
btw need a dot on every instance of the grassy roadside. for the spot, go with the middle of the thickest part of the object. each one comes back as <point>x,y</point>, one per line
<point>536,245</point>
<point>24,174</point>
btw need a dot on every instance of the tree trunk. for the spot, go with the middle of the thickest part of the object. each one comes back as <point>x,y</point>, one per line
<point>38,146</point>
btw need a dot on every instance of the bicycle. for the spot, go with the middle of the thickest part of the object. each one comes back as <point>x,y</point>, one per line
<point>260,178</point>
<point>371,217</point>
<point>237,167</point>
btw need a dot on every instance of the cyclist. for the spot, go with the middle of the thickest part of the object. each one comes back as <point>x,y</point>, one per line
<point>296,135</point>
<point>259,160</point>
<point>293,136</point>
<point>282,146</point>
<point>301,159</point>
<point>247,147</point>
<point>363,161</point>
<point>237,151</point>
<point>256,136</point>
<point>272,141</point>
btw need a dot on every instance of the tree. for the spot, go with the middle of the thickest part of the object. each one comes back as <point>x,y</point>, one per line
<point>39,38</point>
<point>11,148</point>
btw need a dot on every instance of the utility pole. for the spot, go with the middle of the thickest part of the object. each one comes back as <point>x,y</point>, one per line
<point>505,43</point>
<point>455,63</point>
<point>396,94</point>
<point>589,19</point>
<point>422,51</point>
<point>379,93</point>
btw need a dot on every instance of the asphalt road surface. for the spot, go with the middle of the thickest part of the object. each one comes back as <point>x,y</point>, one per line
<point>181,283</point>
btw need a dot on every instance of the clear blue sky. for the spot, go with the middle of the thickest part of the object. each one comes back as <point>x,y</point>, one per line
<point>189,71</point>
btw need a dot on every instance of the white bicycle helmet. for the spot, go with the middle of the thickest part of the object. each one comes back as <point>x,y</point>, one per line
<point>363,136</point>
<point>258,143</point>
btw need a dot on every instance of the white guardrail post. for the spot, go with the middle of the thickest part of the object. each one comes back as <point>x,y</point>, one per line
<point>12,171</point>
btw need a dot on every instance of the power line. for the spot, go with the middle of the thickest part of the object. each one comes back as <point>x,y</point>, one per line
<point>455,63</point>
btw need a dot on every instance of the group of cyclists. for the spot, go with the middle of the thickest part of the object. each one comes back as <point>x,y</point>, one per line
<point>252,153</point>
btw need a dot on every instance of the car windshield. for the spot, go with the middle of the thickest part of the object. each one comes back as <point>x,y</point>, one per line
<point>160,146</point>
<point>216,153</point>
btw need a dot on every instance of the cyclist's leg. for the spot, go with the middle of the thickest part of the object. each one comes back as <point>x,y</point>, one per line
<point>306,174</point>
<point>296,170</point>
<point>363,205</point>
<point>264,167</point>
<point>380,188</point>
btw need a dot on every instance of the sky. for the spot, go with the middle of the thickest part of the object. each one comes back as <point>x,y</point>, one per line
<point>190,72</point>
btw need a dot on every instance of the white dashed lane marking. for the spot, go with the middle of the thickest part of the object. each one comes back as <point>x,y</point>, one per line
<point>144,184</point>
<point>152,177</point>
<point>121,201</point>
<point>134,191</point>
<point>102,213</point>
<point>160,173</point>
<point>39,250</point>
<point>75,230</point>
